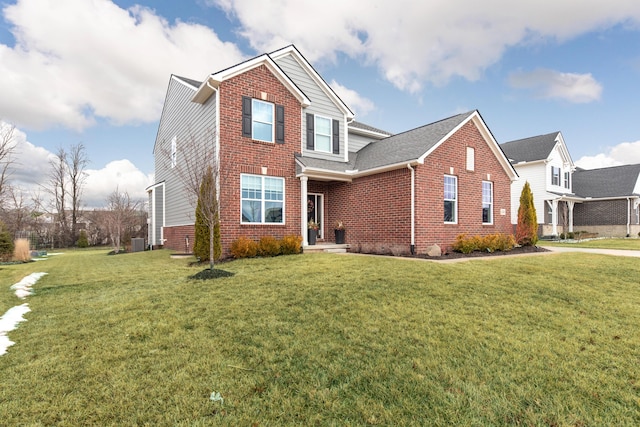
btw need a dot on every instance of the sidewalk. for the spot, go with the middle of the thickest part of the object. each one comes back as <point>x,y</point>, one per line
<point>615,252</point>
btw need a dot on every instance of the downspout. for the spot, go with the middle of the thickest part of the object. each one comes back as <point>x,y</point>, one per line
<point>628,216</point>
<point>217,145</point>
<point>413,206</point>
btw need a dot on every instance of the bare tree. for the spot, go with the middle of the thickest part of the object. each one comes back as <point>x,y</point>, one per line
<point>7,152</point>
<point>121,216</point>
<point>193,161</point>
<point>58,190</point>
<point>77,161</point>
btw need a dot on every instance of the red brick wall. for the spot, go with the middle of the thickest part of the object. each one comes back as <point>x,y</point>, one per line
<point>430,226</point>
<point>239,154</point>
<point>175,238</point>
<point>376,209</point>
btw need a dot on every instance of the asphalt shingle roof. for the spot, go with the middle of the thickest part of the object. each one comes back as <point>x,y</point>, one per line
<point>363,126</point>
<point>530,149</point>
<point>191,82</point>
<point>614,181</point>
<point>406,146</point>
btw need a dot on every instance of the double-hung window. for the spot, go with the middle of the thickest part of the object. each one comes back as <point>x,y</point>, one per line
<point>262,199</point>
<point>450,199</point>
<point>262,120</point>
<point>555,175</point>
<point>567,180</point>
<point>487,202</point>
<point>323,134</point>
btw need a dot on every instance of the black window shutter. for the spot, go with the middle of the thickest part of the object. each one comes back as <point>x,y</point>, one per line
<point>310,131</point>
<point>246,116</point>
<point>280,124</point>
<point>336,137</point>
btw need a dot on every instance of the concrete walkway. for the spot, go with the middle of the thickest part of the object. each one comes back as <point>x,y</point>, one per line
<point>615,252</point>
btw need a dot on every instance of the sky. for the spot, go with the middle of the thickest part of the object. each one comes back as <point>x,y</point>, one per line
<point>96,72</point>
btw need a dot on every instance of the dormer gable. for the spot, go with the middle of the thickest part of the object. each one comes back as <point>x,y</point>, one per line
<point>213,81</point>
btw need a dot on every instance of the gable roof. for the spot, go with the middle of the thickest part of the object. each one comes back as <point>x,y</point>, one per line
<point>616,181</point>
<point>213,81</point>
<point>190,82</point>
<point>410,147</point>
<point>530,149</point>
<point>315,76</point>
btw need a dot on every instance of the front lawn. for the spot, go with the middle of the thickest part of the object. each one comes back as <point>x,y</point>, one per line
<point>626,244</point>
<point>325,339</point>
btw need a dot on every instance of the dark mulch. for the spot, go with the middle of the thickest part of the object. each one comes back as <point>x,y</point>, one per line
<point>208,274</point>
<point>476,254</point>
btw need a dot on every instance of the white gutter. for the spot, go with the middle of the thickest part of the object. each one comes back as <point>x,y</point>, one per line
<point>413,206</point>
<point>216,167</point>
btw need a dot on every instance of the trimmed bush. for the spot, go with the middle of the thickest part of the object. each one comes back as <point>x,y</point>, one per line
<point>527,227</point>
<point>489,243</point>
<point>21,250</point>
<point>244,248</point>
<point>268,246</point>
<point>290,245</point>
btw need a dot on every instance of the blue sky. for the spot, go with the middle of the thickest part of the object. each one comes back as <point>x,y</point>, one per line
<point>96,71</point>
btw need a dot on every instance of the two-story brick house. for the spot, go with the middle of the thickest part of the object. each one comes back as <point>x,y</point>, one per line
<point>288,150</point>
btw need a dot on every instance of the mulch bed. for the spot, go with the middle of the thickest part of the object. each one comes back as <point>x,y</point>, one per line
<point>515,251</point>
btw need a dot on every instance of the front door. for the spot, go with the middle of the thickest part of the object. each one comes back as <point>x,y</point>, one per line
<point>315,208</point>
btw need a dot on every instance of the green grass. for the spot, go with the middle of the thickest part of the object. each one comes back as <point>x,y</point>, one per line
<point>626,244</point>
<point>325,339</point>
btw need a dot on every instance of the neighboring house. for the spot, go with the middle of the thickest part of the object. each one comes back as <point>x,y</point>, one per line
<point>288,150</point>
<point>611,200</point>
<point>544,161</point>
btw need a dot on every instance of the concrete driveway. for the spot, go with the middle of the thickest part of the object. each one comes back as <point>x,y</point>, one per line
<point>615,252</point>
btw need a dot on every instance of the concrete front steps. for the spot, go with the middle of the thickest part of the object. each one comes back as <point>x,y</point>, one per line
<point>326,247</point>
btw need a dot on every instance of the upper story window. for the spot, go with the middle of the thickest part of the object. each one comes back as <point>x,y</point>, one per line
<point>567,180</point>
<point>323,134</point>
<point>174,151</point>
<point>487,202</point>
<point>450,199</point>
<point>262,121</point>
<point>262,199</point>
<point>555,175</point>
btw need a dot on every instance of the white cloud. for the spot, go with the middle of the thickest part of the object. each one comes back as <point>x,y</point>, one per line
<point>550,84</point>
<point>75,60</point>
<point>360,105</point>
<point>626,153</point>
<point>120,174</point>
<point>416,42</point>
<point>32,165</point>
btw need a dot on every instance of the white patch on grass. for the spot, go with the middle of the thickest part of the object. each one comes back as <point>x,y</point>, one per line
<point>23,287</point>
<point>8,323</point>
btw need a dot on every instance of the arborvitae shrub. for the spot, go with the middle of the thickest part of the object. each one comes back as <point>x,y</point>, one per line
<point>82,242</point>
<point>21,250</point>
<point>202,238</point>
<point>244,248</point>
<point>6,243</point>
<point>269,246</point>
<point>527,227</point>
<point>290,245</point>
